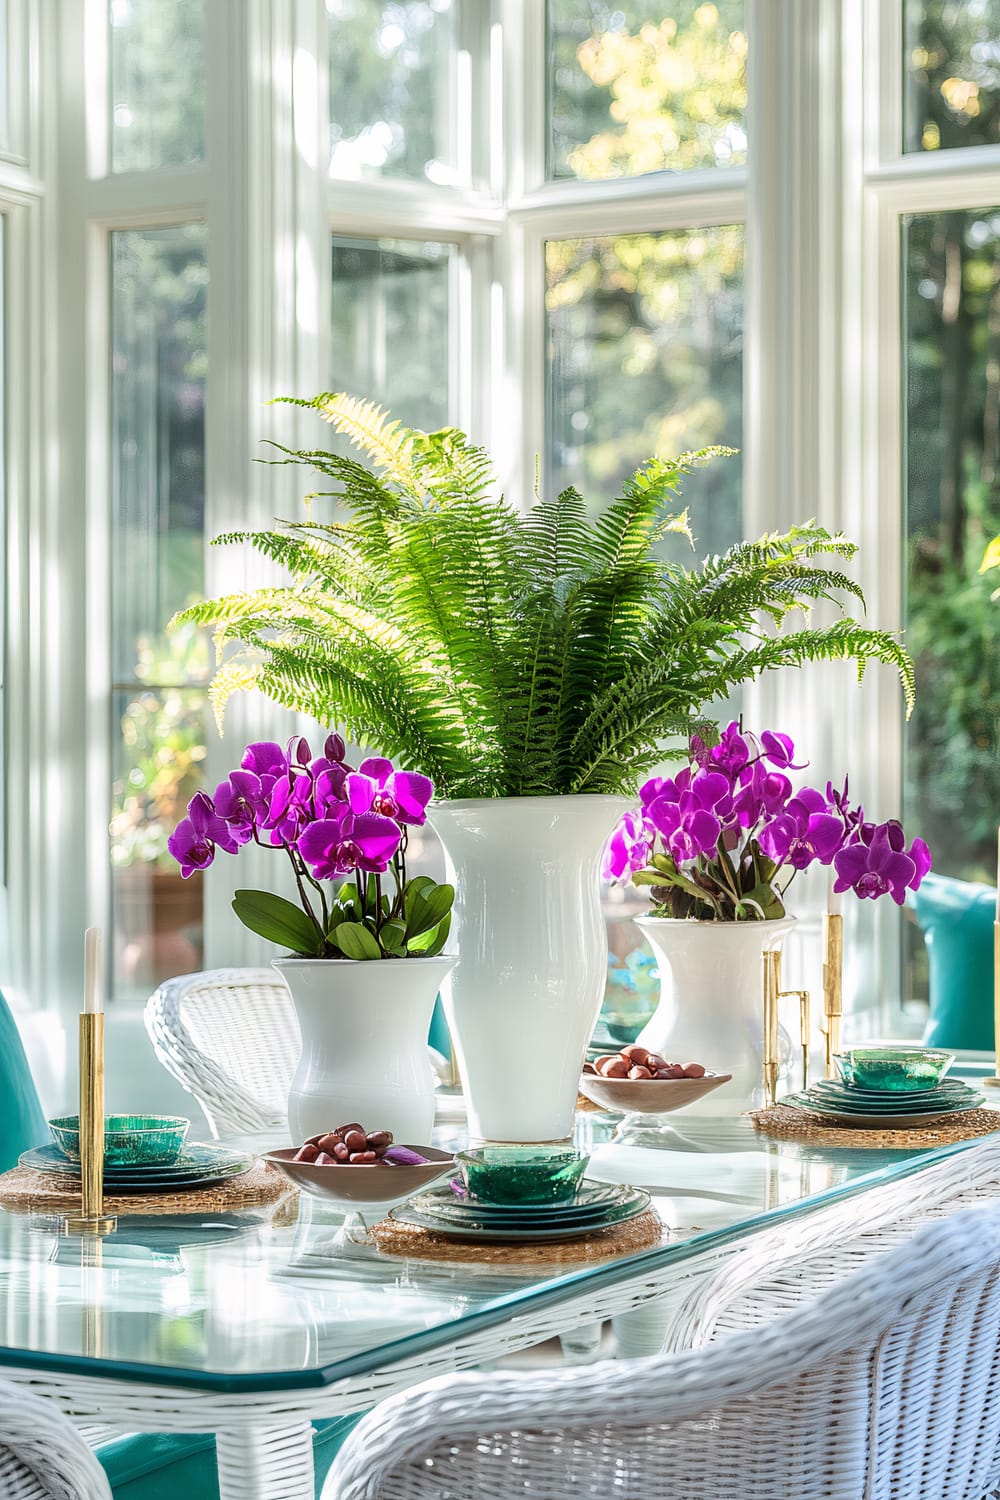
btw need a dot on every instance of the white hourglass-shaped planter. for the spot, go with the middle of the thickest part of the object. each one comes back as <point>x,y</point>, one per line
<point>364,1051</point>
<point>711,1006</point>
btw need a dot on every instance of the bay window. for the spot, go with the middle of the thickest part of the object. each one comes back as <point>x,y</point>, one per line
<point>584,231</point>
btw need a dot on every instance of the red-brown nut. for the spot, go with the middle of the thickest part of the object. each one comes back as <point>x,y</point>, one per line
<point>314,1140</point>
<point>607,1057</point>
<point>308,1152</point>
<point>379,1139</point>
<point>674,1070</point>
<point>340,1152</point>
<point>639,1072</point>
<point>344,1130</point>
<point>327,1142</point>
<point>662,1073</point>
<point>694,1070</point>
<point>324,1159</point>
<point>635,1054</point>
<point>363,1156</point>
<point>616,1068</point>
<point>356,1140</point>
<point>654,1061</point>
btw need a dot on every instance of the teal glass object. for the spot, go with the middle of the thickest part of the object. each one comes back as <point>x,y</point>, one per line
<point>893,1070</point>
<point>522,1174</point>
<point>129,1140</point>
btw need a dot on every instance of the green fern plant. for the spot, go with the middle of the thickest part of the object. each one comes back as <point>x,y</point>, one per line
<point>507,653</point>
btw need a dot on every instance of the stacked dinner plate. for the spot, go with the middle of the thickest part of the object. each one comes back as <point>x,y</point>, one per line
<point>885,1109</point>
<point>597,1205</point>
<point>194,1168</point>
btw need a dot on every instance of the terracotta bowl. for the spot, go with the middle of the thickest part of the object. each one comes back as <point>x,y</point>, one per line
<point>648,1096</point>
<point>364,1182</point>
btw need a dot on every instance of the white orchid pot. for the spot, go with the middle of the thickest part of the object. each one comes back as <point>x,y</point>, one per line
<point>711,1006</point>
<point>364,1051</point>
<point>524,999</point>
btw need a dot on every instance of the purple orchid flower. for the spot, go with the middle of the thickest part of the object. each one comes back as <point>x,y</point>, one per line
<point>628,848</point>
<point>289,808</point>
<point>376,787</point>
<point>236,810</point>
<point>732,752</point>
<point>760,794</point>
<point>873,867</point>
<point>779,750</point>
<point>265,758</point>
<point>195,839</point>
<point>806,832</point>
<point>339,845</point>
<point>691,825</point>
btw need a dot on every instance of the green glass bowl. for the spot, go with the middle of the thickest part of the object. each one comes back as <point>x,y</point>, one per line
<point>522,1174</point>
<point>129,1140</point>
<point>893,1070</point>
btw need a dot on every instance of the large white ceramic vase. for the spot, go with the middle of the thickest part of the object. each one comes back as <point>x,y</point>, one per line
<point>524,999</point>
<point>364,1051</point>
<point>711,1006</point>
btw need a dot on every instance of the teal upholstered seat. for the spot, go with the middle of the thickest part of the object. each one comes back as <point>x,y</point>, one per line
<point>956,918</point>
<point>163,1468</point>
<point>22,1123</point>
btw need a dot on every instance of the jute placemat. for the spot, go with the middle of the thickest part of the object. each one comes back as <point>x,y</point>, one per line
<point>25,1191</point>
<point>416,1243</point>
<point>802,1125</point>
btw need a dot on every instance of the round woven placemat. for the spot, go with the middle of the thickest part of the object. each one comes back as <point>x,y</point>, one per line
<point>416,1243</point>
<point>25,1191</point>
<point>802,1125</point>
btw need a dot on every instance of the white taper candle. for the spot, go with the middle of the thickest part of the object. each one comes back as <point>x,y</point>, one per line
<point>93,978</point>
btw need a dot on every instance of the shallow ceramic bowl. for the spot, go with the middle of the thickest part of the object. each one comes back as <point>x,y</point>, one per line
<point>895,1070</point>
<point>522,1174</point>
<point>129,1140</point>
<point>359,1183</point>
<point>648,1096</point>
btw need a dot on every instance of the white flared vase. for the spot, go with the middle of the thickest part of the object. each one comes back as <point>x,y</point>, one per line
<point>711,1008</point>
<point>364,1051</point>
<point>524,999</point>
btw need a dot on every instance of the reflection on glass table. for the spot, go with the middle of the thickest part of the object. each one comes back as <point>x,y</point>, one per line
<point>284,1307</point>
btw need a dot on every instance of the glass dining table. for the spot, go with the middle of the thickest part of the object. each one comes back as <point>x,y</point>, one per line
<point>251,1329</point>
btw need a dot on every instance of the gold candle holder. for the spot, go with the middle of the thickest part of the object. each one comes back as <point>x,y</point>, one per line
<point>772,988</point>
<point>833,986</point>
<point>91,1219</point>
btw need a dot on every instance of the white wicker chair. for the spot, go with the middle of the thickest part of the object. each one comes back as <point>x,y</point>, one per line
<point>773,1273</point>
<point>231,1038</point>
<point>887,1387</point>
<point>42,1456</point>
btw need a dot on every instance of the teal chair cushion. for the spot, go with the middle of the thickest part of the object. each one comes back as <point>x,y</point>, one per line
<point>22,1123</point>
<point>956,918</point>
<point>164,1468</point>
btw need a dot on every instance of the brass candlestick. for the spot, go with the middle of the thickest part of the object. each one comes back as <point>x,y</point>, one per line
<point>91,1219</point>
<point>772,987</point>
<point>833,986</point>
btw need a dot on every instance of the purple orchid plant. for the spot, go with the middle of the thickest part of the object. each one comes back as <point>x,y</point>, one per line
<point>724,838</point>
<point>334,823</point>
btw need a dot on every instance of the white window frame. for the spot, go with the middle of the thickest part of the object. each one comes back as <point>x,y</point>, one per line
<point>820,198</point>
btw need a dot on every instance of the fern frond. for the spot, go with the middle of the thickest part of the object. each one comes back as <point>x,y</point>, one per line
<point>507,653</point>
<point>232,677</point>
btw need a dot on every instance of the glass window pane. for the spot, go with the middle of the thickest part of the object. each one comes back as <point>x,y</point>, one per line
<point>951,356</point>
<point>156,916</point>
<point>951,74</point>
<point>392,326</point>
<point>637,87</point>
<point>392,88</point>
<point>645,336</point>
<point>157,83</point>
<point>158,308</point>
